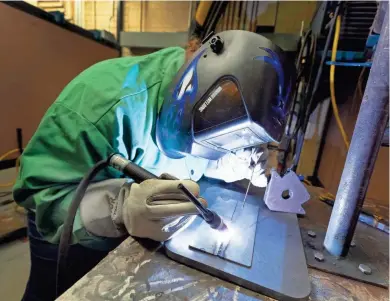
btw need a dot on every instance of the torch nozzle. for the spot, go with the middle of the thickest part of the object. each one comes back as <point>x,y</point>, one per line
<point>209,216</point>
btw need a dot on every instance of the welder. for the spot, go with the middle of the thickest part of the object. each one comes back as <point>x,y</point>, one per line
<point>183,113</point>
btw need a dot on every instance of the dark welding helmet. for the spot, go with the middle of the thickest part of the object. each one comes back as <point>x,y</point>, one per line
<point>233,93</point>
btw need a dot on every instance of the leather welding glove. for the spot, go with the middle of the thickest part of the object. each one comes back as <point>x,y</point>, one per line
<point>154,209</point>
<point>240,165</point>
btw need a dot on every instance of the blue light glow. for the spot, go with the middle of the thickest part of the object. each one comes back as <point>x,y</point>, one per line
<point>133,101</point>
<point>183,94</point>
<point>283,94</point>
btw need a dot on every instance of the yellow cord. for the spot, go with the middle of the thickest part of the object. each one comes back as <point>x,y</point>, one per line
<point>2,157</point>
<point>327,196</point>
<point>332,89</point>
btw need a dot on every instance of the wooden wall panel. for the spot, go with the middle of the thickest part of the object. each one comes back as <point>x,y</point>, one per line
<point>166,16</point>
<point>37,60</point>
<point>291,14</point>
<point>149,16</point>
<point>334,155</point>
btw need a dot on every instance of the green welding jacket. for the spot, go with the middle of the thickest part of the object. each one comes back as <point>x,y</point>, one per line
<point>109,108</point>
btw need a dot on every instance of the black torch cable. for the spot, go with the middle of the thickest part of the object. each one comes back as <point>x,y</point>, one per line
<point>66,234</point>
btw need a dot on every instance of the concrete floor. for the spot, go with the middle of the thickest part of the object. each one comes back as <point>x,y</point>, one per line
<point>14,269</point>
<point>14,258</point>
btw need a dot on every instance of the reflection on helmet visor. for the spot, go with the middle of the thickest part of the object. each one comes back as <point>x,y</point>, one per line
<point>223,103</point>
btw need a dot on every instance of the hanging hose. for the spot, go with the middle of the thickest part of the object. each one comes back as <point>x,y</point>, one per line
<point>332,89</point>
<point>2,157</point>
<point>116,161</point>
<point>66,234</point>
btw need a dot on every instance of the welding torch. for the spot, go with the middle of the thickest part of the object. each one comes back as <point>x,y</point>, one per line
<point>139,174</point>
<point>209,216</point>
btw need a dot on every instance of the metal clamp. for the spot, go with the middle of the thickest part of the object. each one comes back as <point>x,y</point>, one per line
<point>286,194</point>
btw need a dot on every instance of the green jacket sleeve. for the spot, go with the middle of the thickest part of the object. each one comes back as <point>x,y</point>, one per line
<point>64,156</point>
<point>97,114</point>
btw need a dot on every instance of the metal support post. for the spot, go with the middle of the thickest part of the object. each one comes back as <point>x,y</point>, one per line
<point>365,144</point>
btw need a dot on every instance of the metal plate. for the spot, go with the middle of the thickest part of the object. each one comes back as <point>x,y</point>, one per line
<point>371,248</point>
<point>230,244</point>
<point>278,268</point>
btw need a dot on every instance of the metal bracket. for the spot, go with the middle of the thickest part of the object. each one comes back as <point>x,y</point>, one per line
<point>286,194</point>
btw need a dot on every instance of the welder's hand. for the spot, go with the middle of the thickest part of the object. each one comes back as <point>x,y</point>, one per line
<point>156,209</point>
<point>239,166</point>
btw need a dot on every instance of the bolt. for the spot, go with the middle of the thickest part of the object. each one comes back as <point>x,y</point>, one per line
<point>216,44</point>
<point>311,233</point>
<point>319,256</point>
<point>365,269</point>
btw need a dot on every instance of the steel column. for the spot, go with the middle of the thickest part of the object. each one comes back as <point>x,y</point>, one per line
<point>365,144</point>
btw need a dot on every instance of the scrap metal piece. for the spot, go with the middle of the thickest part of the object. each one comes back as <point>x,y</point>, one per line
<point>311,233</point>
<point>275,198</point>
<point>237,242</point>
<point>365,269</point>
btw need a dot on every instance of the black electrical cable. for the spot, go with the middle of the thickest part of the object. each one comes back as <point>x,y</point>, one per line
<point>66,234</point>
<point>313,58</point>
<point>306,90</point>
<point>300,67</point>
<point>319,73</point>
<point>219,11</point>
<point>304,69</point>
<point>302,128</point>
<point>302,49</point>
<point>210,14</point>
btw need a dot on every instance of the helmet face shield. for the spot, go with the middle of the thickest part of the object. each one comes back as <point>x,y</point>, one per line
<point>171,134</point>
<point>222,107</point>
<point>222,102</point>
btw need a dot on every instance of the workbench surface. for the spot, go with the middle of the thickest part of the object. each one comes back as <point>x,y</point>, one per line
<point>141,271</point>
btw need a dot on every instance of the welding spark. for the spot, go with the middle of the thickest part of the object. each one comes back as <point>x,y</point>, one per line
<point>224,236</point>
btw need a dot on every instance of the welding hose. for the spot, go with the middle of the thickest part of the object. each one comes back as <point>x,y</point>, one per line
<point>67,229</point>
<point>331,81</point>
<point>137,173</point>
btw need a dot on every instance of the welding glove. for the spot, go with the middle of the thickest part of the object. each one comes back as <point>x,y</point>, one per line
<point>240,165</point>
<point>154,209</point>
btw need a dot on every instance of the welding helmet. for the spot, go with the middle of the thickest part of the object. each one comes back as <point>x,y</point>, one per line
<point>234,93</point>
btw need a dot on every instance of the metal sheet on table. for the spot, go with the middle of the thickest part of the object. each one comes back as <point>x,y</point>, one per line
<point>235,244</point>
<point>278,266</point>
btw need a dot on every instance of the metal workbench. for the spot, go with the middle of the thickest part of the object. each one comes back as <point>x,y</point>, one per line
<point>136,271</point>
